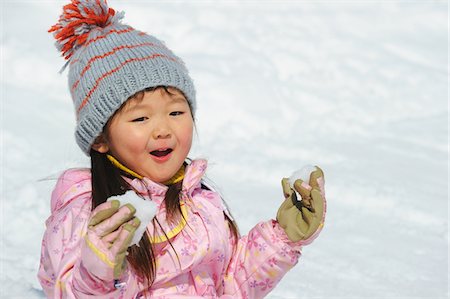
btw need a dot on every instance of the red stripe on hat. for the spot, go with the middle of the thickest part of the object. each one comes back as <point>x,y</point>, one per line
<point>97,82</point>
<point>108,33</point>
<point>89,63</point>
<point>101,37</point>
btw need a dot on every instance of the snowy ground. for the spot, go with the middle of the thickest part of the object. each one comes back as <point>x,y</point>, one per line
<point>358,87</point>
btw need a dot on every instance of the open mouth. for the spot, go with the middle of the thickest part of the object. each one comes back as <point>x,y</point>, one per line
<point>161,152</point>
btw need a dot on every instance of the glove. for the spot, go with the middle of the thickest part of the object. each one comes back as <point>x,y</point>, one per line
<point>303,219</point>
<point>109,233</point>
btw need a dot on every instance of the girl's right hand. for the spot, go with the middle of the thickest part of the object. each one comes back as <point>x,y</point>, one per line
<point>108,237</point>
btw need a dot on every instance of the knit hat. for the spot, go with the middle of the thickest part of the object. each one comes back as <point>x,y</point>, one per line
<point>109,62</point>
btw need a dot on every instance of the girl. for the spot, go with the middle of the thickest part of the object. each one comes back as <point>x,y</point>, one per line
<point>135,106</point>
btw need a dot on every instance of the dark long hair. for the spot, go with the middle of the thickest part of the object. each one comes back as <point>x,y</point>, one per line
<point>107,181</point>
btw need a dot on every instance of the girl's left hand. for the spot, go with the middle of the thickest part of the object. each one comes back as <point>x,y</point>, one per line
<point>302,220</point>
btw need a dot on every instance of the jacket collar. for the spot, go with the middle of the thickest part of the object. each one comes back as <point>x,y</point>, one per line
<point>156,191</point>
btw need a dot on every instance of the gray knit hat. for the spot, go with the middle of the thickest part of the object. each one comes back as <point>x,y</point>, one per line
<point>109,62</point>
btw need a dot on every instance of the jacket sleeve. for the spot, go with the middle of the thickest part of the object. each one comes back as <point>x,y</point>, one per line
<point>259,261</point>
<point>61,272</point>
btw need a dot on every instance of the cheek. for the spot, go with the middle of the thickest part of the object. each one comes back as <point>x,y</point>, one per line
<point>125,139</point>
<point>186,136</point>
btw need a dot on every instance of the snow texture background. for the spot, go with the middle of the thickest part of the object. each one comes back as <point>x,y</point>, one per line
<point>357,87</point>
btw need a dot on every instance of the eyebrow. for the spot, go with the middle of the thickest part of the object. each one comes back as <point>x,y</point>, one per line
<point>140,105</point>
<point>178,98</point>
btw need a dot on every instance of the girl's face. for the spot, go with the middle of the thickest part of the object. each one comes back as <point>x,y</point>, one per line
<point>151,136</point>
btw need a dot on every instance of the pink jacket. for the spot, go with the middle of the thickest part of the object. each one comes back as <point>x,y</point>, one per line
<point>210,264</point>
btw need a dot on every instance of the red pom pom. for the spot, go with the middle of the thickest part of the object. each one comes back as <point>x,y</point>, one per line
<point>77,20</point>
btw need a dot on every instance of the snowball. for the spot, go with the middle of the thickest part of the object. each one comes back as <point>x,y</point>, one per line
<point>303,173</point>
<point>145,211</point>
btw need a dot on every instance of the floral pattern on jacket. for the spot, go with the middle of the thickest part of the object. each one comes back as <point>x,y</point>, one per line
<point>208,262</point>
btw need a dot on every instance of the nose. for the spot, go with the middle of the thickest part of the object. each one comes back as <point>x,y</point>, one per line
<point>161,131</point>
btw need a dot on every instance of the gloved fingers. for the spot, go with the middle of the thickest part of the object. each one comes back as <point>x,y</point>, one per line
<point>318,202</point>
<point>297,232</point>
<point>304,220</point>
<point>288,217</point>
<point>315,177</point>
<point>315,219</point>
<point>321,182</point>
<point>284,208</point>
<point>302,187</point>
<point>125,236</point>
<point>121,244</point>
<point>307,217</point>
<point>305,192</point>
<point>120,265</point>
<point>104,211</point>
<point>125,213</point>
<point>110,238</point>
<point>313,224</point>
<point>287,190</point>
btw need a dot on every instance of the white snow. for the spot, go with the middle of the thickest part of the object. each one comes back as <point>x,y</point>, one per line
<point>358,87</point>
<point>303,174</point>
<point>145,211</point>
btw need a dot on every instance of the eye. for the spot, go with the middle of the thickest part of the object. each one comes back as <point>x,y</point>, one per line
<point>175,113</point>
<point>140,119</point>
